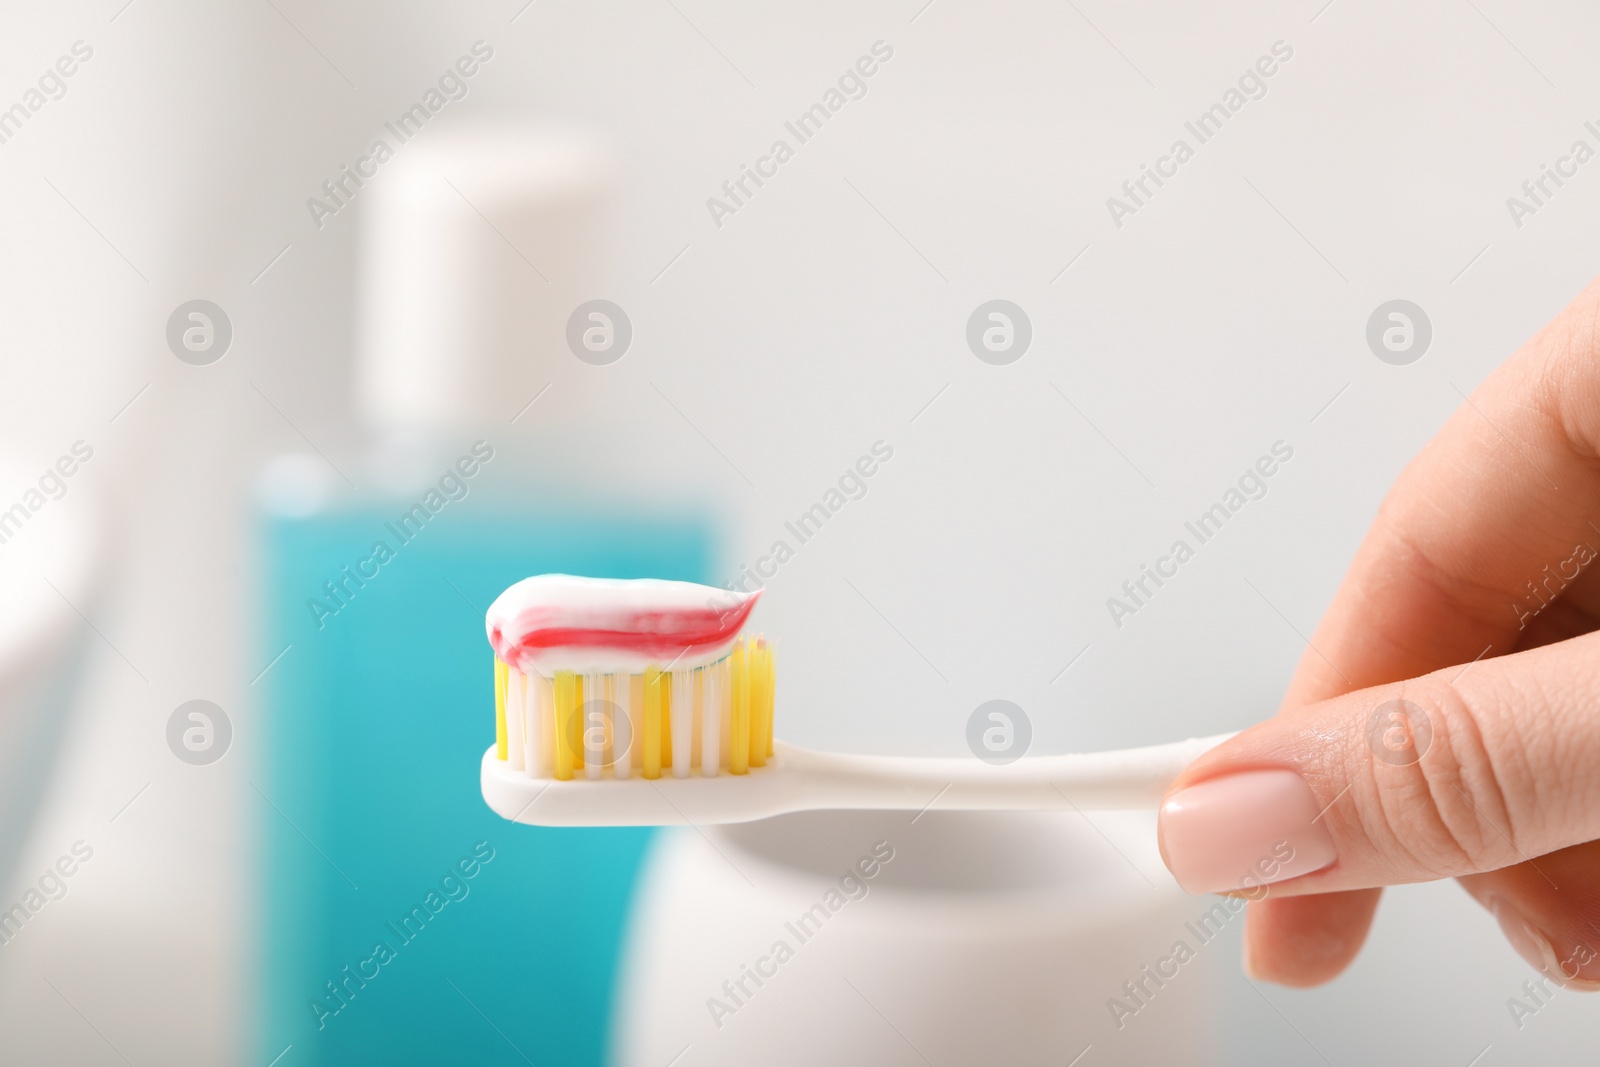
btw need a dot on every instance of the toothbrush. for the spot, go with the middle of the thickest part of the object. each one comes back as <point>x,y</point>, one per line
<point>638,703</point>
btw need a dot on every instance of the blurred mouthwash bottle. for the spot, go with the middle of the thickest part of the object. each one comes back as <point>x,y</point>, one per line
<point>491,457</point>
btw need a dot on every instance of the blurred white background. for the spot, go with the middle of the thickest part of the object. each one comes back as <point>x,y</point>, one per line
<point>827,314</point>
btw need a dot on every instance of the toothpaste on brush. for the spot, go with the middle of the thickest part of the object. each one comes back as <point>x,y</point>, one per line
<point>596,674</point>
<point>558,622</point>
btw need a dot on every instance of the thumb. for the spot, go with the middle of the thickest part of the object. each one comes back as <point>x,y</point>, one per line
<point>1458,772</point>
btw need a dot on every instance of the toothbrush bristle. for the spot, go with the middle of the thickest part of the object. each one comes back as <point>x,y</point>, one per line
<point>675,721</point>
<point>499,708</point>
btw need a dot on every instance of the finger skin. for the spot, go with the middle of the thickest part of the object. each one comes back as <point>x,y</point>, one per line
<point>1483,527</point>
<point>1510,771</point>
<point>1458,565</point>
<point>1549,909</point>
<point>1305,941</point>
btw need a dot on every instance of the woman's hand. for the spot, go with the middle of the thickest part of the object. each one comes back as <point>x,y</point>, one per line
<point>1445,720</point>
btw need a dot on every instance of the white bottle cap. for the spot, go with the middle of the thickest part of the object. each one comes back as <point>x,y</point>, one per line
<point>477,243</point>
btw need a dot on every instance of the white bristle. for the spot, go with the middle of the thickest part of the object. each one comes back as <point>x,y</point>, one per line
<point>682,722</point>
<point>541,729</point>
<point>516,683</point>
<point>710,720</point>
<point>696,728</point>
<point>593,726</point>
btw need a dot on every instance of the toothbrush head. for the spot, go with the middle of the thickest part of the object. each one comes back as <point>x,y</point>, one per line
<point>612,679</point>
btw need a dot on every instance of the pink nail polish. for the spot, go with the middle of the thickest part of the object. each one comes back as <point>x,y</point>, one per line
<point>1244,830</point>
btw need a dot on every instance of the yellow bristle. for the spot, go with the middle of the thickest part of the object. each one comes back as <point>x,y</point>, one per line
<point>500,749</point>
<point>664,684</point>
<point>567,702</point>
<point>651,741</point>
<point>772,693</point>
<point>760,703</point>
<point>739,712</point>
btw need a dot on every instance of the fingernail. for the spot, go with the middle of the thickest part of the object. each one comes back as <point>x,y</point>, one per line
<point>1579,970</point>
<point>1243,831</point>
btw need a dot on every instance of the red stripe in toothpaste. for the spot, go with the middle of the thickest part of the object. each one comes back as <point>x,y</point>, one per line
<point>664,633</point>
<point>654,635</point>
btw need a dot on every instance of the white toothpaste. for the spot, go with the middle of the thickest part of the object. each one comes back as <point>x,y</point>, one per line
<point>559,622</point>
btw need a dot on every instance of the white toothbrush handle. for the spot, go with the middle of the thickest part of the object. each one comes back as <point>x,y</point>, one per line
<point>1129,779</point>
<point>799,779</point>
